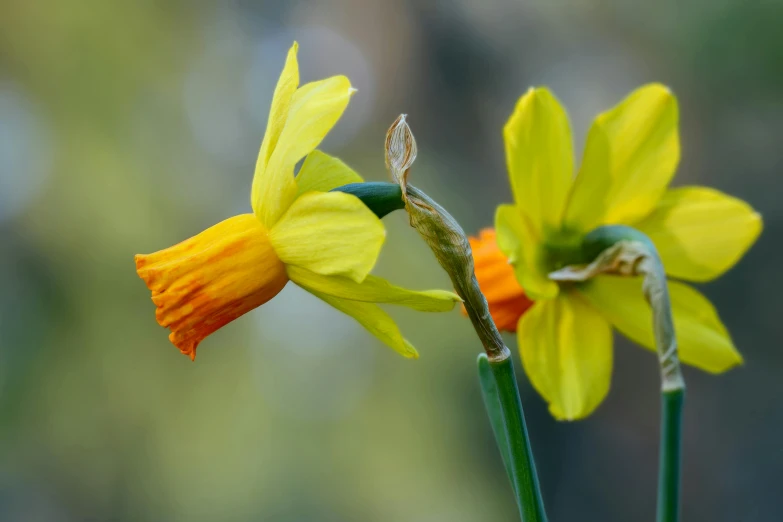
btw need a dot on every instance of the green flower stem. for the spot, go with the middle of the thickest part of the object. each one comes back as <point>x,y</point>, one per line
<point>448,242</point>
<point>625,251</point>
<point>670,456</point>
<point>501,396</point>
<point>489,392</point>
<point>451,247</point>
<point>496,372</point>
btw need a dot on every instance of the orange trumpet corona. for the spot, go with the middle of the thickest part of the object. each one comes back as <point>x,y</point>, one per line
<point>207,281</point>
<point>506,299</point>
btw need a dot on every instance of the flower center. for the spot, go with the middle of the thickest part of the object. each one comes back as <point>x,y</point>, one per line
<point>562,248</point>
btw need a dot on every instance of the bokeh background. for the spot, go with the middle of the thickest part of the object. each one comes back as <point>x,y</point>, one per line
<point>128,126</point>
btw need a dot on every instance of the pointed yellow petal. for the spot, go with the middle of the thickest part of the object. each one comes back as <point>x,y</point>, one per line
<point>314,110</point>
<point>566,349</point>
<point>375,320</point>
<point>268,183</point>
<point>518,241</point>
<point>374,290</point>
<point>539,154</point>
<point>702,338</point>
<point>700,232</point>
<point>589,199</point>
<point>329,233</point>
<point>631,155</point>
<point>321,172</point>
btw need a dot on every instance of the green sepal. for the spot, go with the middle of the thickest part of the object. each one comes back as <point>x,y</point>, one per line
<point>603,238</point>
<point>380,197</point>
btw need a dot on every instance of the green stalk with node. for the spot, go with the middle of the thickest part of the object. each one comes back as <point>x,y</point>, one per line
<point>624,251</point>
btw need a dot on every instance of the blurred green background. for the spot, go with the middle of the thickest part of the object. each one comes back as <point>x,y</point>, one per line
<point>128,126</point>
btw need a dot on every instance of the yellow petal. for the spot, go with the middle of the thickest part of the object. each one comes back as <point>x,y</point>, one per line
<point>268,185</point>
<point>702,338</point>
<point>539,154</point>
<point>700,232</point>
<point>321,172</point>
<point>314,110</point>
<point>375,320</point>
<point>329,233</point>
<point>526,253</point>
<point>566,349</point>
<point>589,199</point>
<point>631,154</point>
<point>374,290</point>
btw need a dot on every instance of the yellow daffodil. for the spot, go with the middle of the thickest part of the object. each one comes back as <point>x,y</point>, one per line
<point>630,156</point>
<point>325,242</point>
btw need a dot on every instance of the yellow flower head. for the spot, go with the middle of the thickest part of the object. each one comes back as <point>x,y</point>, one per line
<point>325,242</point>
<point>630,157</point>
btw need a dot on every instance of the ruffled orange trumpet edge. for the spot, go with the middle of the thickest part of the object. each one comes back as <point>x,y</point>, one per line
<point>207,281</point>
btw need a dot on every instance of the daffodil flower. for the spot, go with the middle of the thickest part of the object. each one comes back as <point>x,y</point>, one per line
<point>631,155</point>
<point>325,242</point>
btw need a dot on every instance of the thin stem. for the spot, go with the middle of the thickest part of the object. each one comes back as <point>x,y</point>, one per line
<point>670,456</point>
<point>672,388</point>
<point>626,251</point>
<point>518,455</point>
<point>452,250</point>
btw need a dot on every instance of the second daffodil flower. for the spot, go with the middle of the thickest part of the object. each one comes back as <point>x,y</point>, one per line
<point>325,242</point>
<point>631,155</point>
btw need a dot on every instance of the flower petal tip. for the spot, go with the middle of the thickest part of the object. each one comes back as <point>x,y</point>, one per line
<point>560,416</point>
<point>737,362</point>
<point>409,351</point>
<point>757,217</point>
